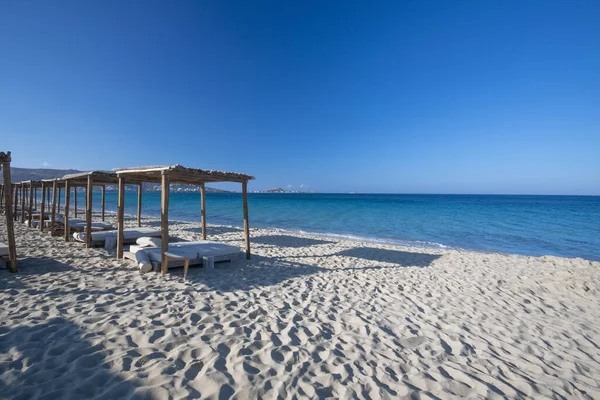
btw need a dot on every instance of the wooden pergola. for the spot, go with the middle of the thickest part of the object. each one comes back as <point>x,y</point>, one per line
<point>167,174</point>
<point>29,189</point>
<point>5,160</point>
<point>88,180</point>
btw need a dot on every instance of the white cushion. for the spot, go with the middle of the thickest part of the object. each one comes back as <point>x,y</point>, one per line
<point>148,241</point>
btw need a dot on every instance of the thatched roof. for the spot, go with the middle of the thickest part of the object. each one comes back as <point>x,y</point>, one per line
<point>180,174</point>
<point>32,184</point>
<point>98,177</point>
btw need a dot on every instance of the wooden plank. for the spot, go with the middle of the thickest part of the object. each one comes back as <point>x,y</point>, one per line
<point>16,201</point>
<point>246,223</point>
<point>164,220</point>
<point>120,217</point>
<point>53,214</point>
<point>203,209</point>
<point>67,201</point>
<point>88,211</point>
<point>139,209</point>
<point>22,202</point>
<point>42,207</point>
<point>30,205</point>
<point>75,201</point>
<point>10,230</point>
<point>103,199</point>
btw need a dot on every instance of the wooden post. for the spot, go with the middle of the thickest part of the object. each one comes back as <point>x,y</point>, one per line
<point>42,207</point>
<point>139,210</point>
<point>246,223</point>
<point>35,198</point>
<point>22,203</point>
<point>75,200</point>
<point>10,230</point>
<point>203,210</point>
<point>120,217</point>
<point>16,201</point>
<point>31,191</point>
<point>58,205</point>
<point>53,215</point>
<point>1,196</point>
<point>67,201</point>
<point>164,220</point>
<point>88,212</point>
<point>103,198</point>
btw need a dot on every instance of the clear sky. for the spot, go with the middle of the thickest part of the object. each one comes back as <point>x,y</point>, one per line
<point>336,96</point>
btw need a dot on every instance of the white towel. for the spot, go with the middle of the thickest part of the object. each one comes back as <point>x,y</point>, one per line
<point>110,242</point>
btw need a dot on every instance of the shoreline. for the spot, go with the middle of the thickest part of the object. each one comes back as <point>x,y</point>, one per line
<point>348,237</point>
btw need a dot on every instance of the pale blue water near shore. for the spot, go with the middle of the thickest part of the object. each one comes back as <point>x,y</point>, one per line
<point>566,226</point>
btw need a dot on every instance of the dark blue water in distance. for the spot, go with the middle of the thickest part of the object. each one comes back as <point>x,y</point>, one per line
<point>566,226</point>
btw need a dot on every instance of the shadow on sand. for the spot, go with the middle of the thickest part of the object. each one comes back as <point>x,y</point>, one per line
<point>53,360</point>
<point>288,241</point>
<point>402,258</point>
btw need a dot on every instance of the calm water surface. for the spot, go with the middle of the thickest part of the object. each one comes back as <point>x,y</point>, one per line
<point>567,226</point>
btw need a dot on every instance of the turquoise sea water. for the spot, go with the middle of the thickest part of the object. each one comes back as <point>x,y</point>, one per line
<point>567,226</point>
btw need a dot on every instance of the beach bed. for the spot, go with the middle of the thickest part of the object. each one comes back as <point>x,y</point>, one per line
<point>3,255</point>
<point>194,253</point>
<point>108,238</point>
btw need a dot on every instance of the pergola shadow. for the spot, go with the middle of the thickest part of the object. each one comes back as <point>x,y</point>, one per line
<point>60,364</point>
<point>288,241</point>
<point>398,257</point>
<point>246,275</point>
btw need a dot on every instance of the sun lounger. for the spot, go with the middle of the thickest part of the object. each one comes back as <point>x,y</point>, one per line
<point>3,255</point>
<point>195,252</point>
<point>108,239</point>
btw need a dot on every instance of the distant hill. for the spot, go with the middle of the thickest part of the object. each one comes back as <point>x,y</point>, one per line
<point>36,174</point>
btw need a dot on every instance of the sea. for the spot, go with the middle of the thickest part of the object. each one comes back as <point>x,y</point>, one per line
<point>565,226</point>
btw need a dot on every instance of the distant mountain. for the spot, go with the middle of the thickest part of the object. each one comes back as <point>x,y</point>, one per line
<point>36,174</point>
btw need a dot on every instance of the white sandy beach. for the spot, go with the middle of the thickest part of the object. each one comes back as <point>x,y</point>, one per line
<point>306,317</point>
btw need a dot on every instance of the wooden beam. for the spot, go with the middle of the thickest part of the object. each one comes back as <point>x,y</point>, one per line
<point>67,201</point>
<point>42,207</point>
<point>75,200</point>
<point>139,210</point>
<point>31,192</point>
<point>203,210</point>
<point>22,203</point>
<point>120,217</point>
<point>53,215</point>
<point>10,230</point>
<point>246,223</point>
<point>164,220</point>
<point>103,199</point>
<point>16,201</point>
<point>88,212</point>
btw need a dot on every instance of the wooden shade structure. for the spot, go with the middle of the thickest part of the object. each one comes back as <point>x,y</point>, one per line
<point>5,160</point>
<point>87,180</point>
<point>27,201</point>
<point>167,174</point>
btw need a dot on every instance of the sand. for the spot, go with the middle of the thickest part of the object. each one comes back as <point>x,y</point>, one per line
<point>306,317</point>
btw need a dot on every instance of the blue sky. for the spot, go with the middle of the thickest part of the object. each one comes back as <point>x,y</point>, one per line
<point>337,96</point>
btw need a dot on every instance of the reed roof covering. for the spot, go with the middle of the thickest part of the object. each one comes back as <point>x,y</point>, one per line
<point>180,174</point>
<point>98,177</point>
<point>32,184</point>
